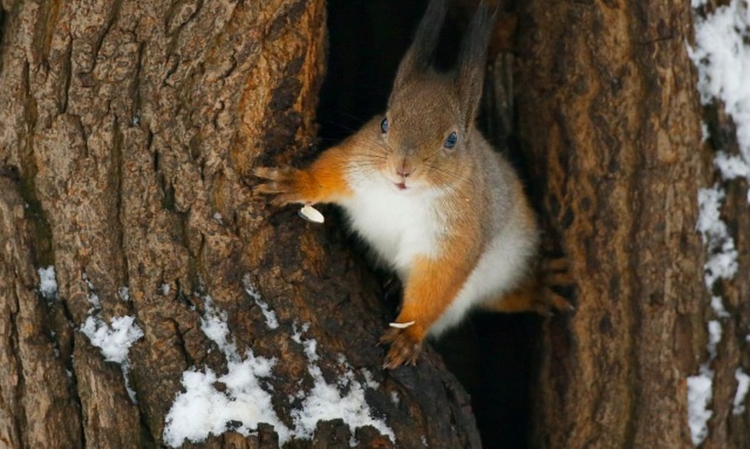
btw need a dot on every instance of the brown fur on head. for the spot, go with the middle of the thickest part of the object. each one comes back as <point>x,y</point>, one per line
<point>430,119</point>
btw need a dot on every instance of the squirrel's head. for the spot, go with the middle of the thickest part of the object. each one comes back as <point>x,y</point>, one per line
<point>426,131</point>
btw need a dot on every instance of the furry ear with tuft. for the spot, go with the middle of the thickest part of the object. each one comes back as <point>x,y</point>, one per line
<point>471,62</point>
<point>419,55</point>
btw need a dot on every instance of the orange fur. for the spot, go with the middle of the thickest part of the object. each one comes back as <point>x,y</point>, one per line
<point>432,286</point>
<point>323,181</point>
<point>521,300</point>
<point>533,295</point>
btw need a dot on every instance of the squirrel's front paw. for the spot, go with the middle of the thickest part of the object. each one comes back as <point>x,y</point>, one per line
<point>405,348</point>
<point>282,182</point>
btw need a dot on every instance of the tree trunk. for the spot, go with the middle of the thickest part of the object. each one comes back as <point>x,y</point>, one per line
<point>127,134</point>
<point>609,112</point>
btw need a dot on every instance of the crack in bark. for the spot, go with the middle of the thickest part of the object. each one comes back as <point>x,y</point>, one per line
<point>635,326</point>
<point>48,20</point>
<point>110,21</point>
<point>180,336</point>
<point>67,76</point>
<point>169,27</point>
<point>136,88</point>
<point>41,243</point>
<point>75,396</point>
<point>117,167</point>
<point>19,420</point>
<point>78,122</point>
<point>69,366</point>
<point>174,59</point>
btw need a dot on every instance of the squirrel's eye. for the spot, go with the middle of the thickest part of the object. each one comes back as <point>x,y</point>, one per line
<point>384,125</point>
<point>451,140</point>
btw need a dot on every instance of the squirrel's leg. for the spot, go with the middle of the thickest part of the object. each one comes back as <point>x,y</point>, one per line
<point>537,293</point>
<point>323,182</point>
<point>428,292</point>
<point>527,300</point>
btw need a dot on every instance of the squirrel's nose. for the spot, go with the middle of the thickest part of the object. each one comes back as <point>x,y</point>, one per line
<point>404,170</point>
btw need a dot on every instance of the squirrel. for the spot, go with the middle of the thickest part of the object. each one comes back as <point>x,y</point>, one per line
<point>430,196</point>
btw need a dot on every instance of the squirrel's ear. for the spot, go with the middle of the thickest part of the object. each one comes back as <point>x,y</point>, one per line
<point>419,55</point>
<point>472,61</point>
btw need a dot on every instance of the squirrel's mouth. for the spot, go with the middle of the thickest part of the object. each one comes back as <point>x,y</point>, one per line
<point>401,185</point>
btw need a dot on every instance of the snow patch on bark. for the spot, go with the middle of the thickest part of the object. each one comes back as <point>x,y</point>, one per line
<point>48,283</point>
<point>114,339</point>
<point>722,57</point>
<point>271,321</point>
<point>202,409</point>
<point>244,401</point>
<point>743,384</point>
<point>325,402</point>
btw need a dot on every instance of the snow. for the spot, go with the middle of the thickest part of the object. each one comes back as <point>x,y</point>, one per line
<point>699,396</point>
<point>47,283</point>
<point>700,389</point>
<point>722,254</point>
<point>718,306</point>
<point>214,325</point>
<point>722,56</point>
<point>114,340</point>
<point>202,409</point>
<point>743,384</point>
<point>297,334</point>
<point>721,264</point>
<point>369,379</point>
<point>93,298</point>
<point>731,166</point>
<point>714,337</point>
<point>271,321</point>
<point>325,402</point>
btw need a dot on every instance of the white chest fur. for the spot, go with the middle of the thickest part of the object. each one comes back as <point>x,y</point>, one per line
<point>398,224</point>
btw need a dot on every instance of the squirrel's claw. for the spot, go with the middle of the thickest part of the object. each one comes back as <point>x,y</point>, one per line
<point>280,183</point>
<point>274,174</point>
<point>404,348</point>
<point>280,180</point>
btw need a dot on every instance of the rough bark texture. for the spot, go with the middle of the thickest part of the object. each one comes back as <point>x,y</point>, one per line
<point>127,132</point>
<point>609,113</point>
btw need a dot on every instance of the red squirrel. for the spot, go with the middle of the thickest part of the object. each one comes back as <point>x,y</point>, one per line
<point>430,196</point>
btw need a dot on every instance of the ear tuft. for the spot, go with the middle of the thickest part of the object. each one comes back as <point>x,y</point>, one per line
<point>472,60</point>
<point>419,55</point>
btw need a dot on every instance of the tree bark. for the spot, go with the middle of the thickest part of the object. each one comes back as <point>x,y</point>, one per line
<point>608,111</point>
<point>127,134</point>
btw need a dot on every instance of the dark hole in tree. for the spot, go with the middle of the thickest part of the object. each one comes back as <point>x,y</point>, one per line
<point>493,355</point>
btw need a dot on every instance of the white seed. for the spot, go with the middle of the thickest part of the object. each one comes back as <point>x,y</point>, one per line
<point>401,325</point>
<point>309,213</point>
